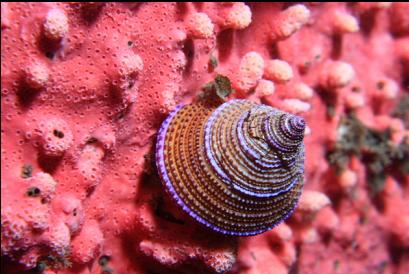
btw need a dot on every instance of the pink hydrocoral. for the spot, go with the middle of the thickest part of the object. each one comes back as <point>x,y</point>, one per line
<point>85,87</point>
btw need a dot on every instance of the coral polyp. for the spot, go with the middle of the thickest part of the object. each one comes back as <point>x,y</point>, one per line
<point>235,167</point>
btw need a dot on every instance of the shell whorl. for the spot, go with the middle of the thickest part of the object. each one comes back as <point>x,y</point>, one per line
<point>236,168</point>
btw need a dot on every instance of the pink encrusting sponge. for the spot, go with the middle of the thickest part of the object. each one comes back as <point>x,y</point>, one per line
<point>313,123</point>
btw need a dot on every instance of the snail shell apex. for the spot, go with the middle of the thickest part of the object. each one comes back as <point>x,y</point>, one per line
<point>237,167</point>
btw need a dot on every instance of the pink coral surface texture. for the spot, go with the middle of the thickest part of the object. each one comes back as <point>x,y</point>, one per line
<point>86,86</point>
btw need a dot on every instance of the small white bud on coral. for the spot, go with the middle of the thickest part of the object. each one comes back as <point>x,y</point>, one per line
<point>265,88</point>
<point>327,220</point>
<point>199,25</point>
<point>55,24</point>
<point>383,5</point>
<point>355,100</point>
<point>309,236</point>
<point>313,201</point>
<point>278,71</point>
<point>397,125</point>
<point>337,75</point>
<point>239,16</point>
<point>282,233</point>
<point>307,131</point>
<point>303,91</point>
<point>398,130</point>
<point>89,163</point>
<point>289,21</point>
<point>5,17</point>
<point>343,22</point>
<point>295,106</point>
<point>131,63</point>
<point>250,71</point>
<point>348,179</point>
<point>36,75</point>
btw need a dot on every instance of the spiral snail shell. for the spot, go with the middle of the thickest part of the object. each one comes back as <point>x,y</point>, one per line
<point>235,167</point>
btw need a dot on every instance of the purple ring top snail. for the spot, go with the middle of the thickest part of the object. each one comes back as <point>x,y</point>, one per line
<point>236,167</point>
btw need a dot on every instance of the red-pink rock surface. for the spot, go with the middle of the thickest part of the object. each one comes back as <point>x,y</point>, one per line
<point>85,86</point>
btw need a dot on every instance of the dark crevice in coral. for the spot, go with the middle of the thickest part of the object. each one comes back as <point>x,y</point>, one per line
<point>48,164</point>
<point>378,203</point>
<point>50,48</point>
<point>295,267</point>
<point>225,41</point>
<point>213,63</point>
<point>332,190</point>
<point>326,237</point>
<point>133,6</point>
<point>26,95</point>
<point>395,251</point>
<point>330,100</point>
<point>405,80</point>
<point>367,22</point>
<point>50,54</point>
<point>114,95</point>
<point>90,191</point>
<point>198,5</point>
<point>336,50</point>
<point>129,245</point>
<point>149,167</point>
<point>149,178</point>
<point>124,112</point>
<point>158,205</point>
<point>182,10</point>
<point>91,12</point>
<point>189,51</point>
<point>274,51</point>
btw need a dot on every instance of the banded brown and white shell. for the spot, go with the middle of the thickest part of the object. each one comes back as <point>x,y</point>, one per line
<point>236,167</point>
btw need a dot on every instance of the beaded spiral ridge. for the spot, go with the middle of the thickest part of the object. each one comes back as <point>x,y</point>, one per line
<point>237,168</point>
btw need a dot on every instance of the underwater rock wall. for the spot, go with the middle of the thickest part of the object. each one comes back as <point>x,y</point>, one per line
<point>86,86</point>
